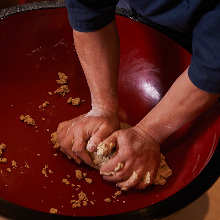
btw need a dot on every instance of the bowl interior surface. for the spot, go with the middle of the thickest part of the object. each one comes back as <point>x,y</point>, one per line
<point>34,47</point>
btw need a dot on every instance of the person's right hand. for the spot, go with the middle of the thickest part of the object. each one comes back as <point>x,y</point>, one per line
<point>86,132</point>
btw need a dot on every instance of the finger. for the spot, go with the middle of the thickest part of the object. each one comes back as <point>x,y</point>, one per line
<point>146,181</point>
<point>148,178</point>
<point>120,173</point>
<point>116,169</point>
<point>79,148</point>
<point>97,138</point>
<point>62,125</point>
<point>133,180</point>
<point>65,141</point>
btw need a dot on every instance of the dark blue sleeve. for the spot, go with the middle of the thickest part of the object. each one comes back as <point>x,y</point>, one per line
<point>90,15</point>
<point>204,71</point>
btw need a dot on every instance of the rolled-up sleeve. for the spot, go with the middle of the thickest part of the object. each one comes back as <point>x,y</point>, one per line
<point>204,71</point>
<point>90,15</point>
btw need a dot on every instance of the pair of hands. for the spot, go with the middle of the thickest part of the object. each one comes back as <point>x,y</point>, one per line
<point>136,150</point>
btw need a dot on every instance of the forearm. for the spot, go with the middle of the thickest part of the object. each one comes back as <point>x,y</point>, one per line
<point>99,55</point>
<point>181,104</point>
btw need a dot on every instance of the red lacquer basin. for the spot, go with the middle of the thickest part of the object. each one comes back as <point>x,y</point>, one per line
<point>37,44</point>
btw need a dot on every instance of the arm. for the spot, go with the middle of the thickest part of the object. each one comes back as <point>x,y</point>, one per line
<point>182,103</point>
<point>98,53</point>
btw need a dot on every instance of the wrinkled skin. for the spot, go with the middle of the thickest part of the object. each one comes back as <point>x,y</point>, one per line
<point>94,127</point>
<point>138,152</point>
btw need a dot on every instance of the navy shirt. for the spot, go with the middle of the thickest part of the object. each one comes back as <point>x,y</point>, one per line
<point>199,17</point>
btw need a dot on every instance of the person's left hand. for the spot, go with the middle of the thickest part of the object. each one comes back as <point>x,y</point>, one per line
<point>136,162</point>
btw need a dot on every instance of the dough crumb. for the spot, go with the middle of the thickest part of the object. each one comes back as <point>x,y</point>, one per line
<point>88,180</point>
<point>9,170</point>
<point>45,104</point>
<point>118,193</point>
<point>107,200</point>
<point>27,119</point>
<point>74,101</point>
<point>3,160</point>
<point>63,79</point>
<point>54,140</point>
<point>53,211</point>
<point>62,90</point>
<point>14,164</point>
<point>50,93</point>
<point>44,171</point>
<point>82,200</point>
<point>66,181</point>
<point>79,174</point>
<point>26,165</point>
<point>2,147</point>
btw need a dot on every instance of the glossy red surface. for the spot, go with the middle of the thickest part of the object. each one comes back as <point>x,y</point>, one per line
<point>34,47</point>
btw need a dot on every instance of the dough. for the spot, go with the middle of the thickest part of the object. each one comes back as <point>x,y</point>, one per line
<point>63,80</point>
<point>104,153</point>
<point>74,101</point>
<point>27,119</point>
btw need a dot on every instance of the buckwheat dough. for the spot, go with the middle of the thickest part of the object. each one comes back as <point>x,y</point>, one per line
<point>63,89</point>
<point>45,104</point>
<point>104,153</point>
<point>82,200</point>
<point>74,101</point>
<point>53,211</point>
<point>2,148</point>
<point>27,119</point>
<point>63,79</point>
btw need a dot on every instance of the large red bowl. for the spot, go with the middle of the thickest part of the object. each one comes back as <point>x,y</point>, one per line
<point>34,47</point>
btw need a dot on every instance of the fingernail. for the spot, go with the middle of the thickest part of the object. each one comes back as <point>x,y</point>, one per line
<point>90,147</point>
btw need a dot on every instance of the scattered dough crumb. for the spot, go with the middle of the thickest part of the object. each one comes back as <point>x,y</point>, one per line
<point>66,181</point>
<point>54,140</point>
<point>63,79</point>
<point>50,93</point>
<point>3,160</point>
<point>74,101</point>
<point>82,199</point>
<point>79,175</point>
<point>9,170</point>
<point>45,104</point>
<point>53,210</point>
<point>26,165</point>
<point>44,171</point>
<point>62,90</point>
<point>14,164</point>
<point>2,147</point>
<point>88,180</point>
<point>107,200</point>
<point>27,119</point>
